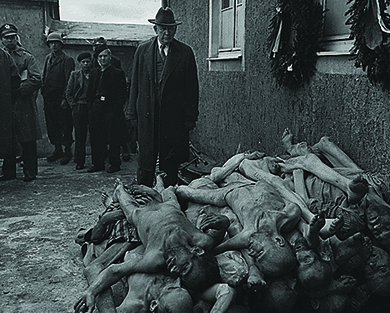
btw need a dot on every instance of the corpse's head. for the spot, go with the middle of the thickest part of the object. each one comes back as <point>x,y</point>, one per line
<point>377,271</point>
<point>269,165</point>
<point>313,272</point>
<point>172,299</point>
<point>378,218</point>
<point>280,296</point>
<point>272,253</point>
<point>196,267</point>
<point>337,303</point>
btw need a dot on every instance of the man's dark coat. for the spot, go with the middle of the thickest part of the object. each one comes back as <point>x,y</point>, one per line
<point>178,102</point>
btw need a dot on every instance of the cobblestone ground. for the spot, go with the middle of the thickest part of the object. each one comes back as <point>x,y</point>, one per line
<point>40,264</point>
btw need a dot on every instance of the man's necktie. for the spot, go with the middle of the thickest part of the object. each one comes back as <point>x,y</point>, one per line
<point>162,51</point>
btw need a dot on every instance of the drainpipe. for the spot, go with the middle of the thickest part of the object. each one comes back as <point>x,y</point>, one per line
<point>164,3</point>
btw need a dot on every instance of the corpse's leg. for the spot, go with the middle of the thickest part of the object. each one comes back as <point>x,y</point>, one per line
<point>355,189</point>
<point>203,196</point>
<point>104,300</point>
<point>334,154</point>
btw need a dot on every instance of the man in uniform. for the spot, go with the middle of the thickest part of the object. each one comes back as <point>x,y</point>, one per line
<point>58,113</point>
<point>25,114</point>
<point>9,83</point>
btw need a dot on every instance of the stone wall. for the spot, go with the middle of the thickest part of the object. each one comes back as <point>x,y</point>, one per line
<point>246,108</point>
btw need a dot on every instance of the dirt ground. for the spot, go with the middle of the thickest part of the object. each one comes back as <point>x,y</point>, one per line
<point>40,264</point>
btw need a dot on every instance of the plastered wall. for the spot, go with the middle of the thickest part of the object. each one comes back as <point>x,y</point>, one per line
<point>246,108</point>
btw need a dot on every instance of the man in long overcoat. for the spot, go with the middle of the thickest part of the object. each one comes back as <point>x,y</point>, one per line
<point>163,101</point>
<point>26,123</point>
<point>9,83</point>
<point>106,99</point>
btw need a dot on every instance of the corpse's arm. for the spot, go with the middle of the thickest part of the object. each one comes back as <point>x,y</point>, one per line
<point>215,226</point>
<point>220,173</point>
<point>221,294</point>
<point>149,262</point>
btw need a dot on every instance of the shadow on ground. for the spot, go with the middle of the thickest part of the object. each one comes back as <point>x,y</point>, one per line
<point>40,264</point>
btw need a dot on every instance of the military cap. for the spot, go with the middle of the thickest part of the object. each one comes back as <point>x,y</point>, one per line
<point>8,30</point>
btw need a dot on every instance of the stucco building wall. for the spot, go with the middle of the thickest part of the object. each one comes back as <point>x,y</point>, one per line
<point>246,108</point>
<point>34,17</point>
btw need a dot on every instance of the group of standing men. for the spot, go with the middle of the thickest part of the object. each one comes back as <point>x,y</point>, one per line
<point>162,106</point>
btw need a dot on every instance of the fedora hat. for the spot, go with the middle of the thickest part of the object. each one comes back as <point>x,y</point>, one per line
<point>165,17</point>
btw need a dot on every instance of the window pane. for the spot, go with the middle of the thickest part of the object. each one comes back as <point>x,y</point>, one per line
<point>225,4</point>
<point>227,29</point>
<point>240,27</point>
<point>335,19</point>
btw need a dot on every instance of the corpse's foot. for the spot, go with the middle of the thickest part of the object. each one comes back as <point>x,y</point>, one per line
<point>357,189</point>
<point>332,227</point>
<point>316,224</point>
<point>118,187</point>
<point>300,148</point>
<point>287,140</point>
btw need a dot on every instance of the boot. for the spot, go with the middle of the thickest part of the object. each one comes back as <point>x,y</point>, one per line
<point>67,156</point>
<point>56,155</point>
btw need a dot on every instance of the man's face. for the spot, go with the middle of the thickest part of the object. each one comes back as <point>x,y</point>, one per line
<point>179,260</point>
<point>104,58</point>
<point>306,257</point>
<point>165,33</point>
<point>10,42</point>
<point>269,165</point>
<point>85,64</point>
<point>175,299</point>
<point>55,46</point>
<point>377,271</point>
<point>378,222</point>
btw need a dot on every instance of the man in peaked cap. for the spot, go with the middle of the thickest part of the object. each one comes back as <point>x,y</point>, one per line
<point>58,113</point>
<point>25,117</point>
<point>163,103</point>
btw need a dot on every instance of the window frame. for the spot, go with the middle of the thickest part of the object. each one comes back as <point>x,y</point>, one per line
<point>232,57</point>
<point>335,44</point>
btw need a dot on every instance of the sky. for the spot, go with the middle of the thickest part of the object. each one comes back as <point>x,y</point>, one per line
<point>109,11</point>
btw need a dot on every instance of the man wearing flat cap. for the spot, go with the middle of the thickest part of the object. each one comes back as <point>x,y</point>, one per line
<point>163,101</point>
<point>58,114</point>
<point>76,95</point>
<point>106,99</point>
<point>25,114</point>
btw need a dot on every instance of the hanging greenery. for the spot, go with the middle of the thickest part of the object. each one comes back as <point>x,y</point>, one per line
<point>294,31</point>
<point>369,27</point>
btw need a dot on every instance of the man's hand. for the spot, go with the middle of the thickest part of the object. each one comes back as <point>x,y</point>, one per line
<point>134,123</point>
<point>86,304</point>
<point>189,125</point>
<point>64,104</point>
<point>256,155</point>
<point>215,226</point>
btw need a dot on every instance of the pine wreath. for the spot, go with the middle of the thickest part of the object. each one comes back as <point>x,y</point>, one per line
<point>371,47</point>
<point>293,41</point>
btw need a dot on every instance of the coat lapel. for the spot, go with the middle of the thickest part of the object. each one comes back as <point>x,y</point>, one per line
<point>149,55</point>
<point>172,60</point>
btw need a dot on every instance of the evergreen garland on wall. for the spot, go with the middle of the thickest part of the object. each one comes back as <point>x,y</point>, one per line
<point>371,48</point>
<point>294,31</point>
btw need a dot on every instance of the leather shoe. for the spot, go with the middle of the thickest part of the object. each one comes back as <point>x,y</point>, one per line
<point>29,177</point>
<point>113,169</point>
<point>125,157</point>
<point>95,168</point>
<point>6,177</point>
<point>66,159</point>
<point>79,167</point>
<point>56,155</point>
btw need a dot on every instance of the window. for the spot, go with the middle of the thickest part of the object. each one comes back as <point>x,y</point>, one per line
<point>226,34</point>
<point>335,36</point>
